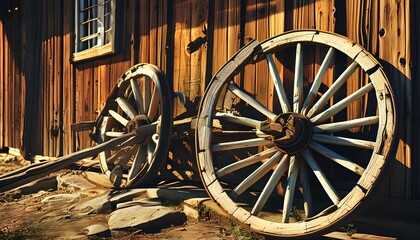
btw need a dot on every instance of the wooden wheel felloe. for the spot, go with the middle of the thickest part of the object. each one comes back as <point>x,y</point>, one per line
<point>141,103</point>
<point>298,157</point>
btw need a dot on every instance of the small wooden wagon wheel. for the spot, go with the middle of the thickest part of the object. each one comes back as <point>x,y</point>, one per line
<point>300,162</point>
<point>141,99</point>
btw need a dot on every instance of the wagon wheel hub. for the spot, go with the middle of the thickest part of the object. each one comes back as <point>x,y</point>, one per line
<point>137,122</point>
<point>290,132</point>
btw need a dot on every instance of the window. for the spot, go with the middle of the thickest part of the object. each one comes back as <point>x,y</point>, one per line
<point>95,28</point>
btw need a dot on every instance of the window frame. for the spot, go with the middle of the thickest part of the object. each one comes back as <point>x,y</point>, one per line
<point>100,49</point>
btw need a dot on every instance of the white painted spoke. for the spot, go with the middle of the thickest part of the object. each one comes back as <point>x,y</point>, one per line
<point>114,134</point>
<point>271,184</point>
<point>290,189</point>
<point>306,189</point>
<point>328,153</point>
<point>334,109</point>
<point>317,81</point>
<point>146,93</point>
<point>251,101</point>
<point>126,107</point>
<point>332,194</point>
<point>246,162</point>
<point>137,96</point>
<point>343,141</point>
<point>245,121</point>
<point>138,162</point>
<point>319,105</point>
<point>278,85</point>
<point>151,147</point>
<point>153,107</point>
<point>256,175</point>
<point>255,142</point>
<point>118,117</point>
<point>298,81</point>
<point>344,125</point>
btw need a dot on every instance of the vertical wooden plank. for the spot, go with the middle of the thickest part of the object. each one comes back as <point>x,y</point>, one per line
<point>50,78</point>
<point>184,58</point>
<point>199,11</point>
<point>161,35</point>
<point>15,80</point>
<point>56,134</point>
<point>144,49</point>
<point>262,75</point>
<point>103,77</point>
<point>324,15</point>
<point>220,34</point>
<point>6,106</point>
<point>153,19</point>
<point>68,80</point>
<point>177,49</point>
<point>2,82</point>
<point>79,101</point>
<point>21,111</point>
<point>133,36</point>
<point>250,33</point>
<point>234,28</point>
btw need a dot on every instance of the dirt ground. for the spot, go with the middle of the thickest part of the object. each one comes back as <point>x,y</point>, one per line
<point>26,216</point>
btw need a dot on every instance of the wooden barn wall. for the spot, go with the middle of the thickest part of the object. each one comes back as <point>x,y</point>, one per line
<point>11,77</point>
<point>53,92</point>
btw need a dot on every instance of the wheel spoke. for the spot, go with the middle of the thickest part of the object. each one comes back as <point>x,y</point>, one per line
<point>246,162</point>
<point>271,184</point>
<point>256,175</point>
<point>118,117</point>
<point>126,107</point>
<point>137,96</point>
<point>332,194</point>
<point>255,142</point>
<point>251,101</point>
<point>343,141</point>
<point>306,189</point>
<point>328,153</point>
<point>138,162</point>
<point>344,125</point>
<point>245,121</point>
<point>151,147</point>
<point>114,157</point>
<point>342,104</point>
<point>317,81</point>
<point>298,81</point>
<point>126,157</point>
<point>290,189</point>
<point>278,85</point>
<point>146,94</point>
<point>153,106</point>
<point>319,105</point>
<point>114,134</point>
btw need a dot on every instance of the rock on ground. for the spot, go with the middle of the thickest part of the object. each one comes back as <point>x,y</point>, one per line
<point>148,219</point>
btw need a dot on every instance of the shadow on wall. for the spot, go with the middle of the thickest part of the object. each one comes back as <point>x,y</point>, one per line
<point>403,178</point>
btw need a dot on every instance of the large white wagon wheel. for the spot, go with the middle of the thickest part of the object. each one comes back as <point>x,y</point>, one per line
<point>141,99</point>
<point>300,164</point>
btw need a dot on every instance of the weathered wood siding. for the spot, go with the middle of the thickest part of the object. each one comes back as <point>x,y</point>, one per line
<point>38,79</point>
<point>12,90</point>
